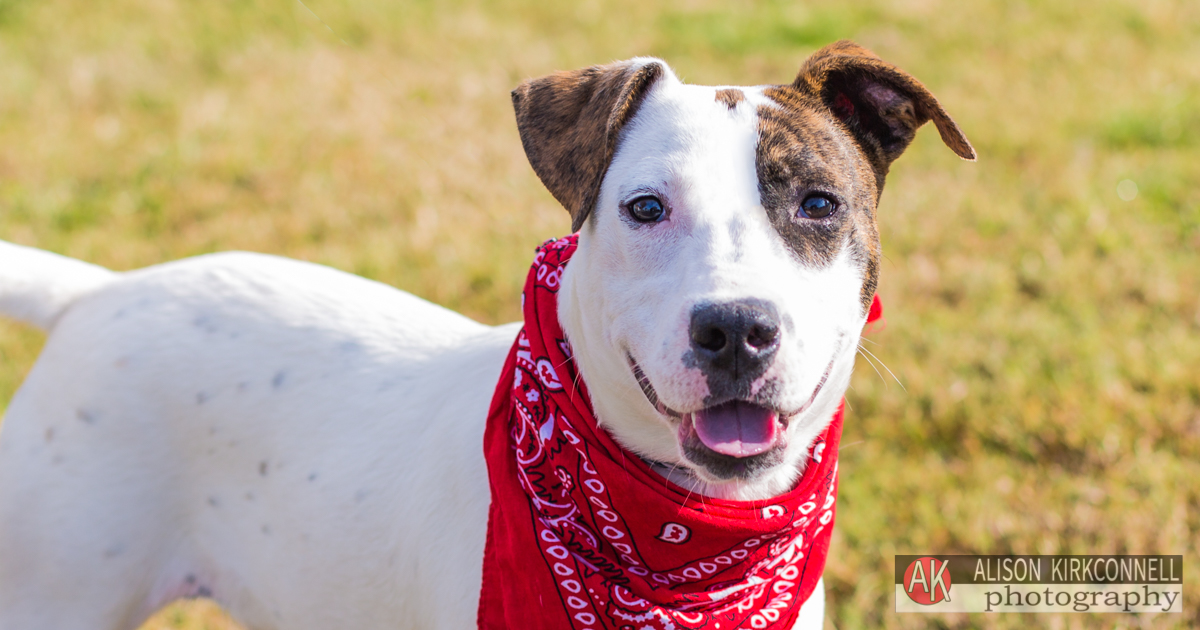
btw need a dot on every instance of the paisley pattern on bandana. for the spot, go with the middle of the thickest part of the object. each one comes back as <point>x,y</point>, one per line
<point>582,535</point>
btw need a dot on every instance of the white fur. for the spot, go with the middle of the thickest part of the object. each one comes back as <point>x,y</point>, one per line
<point>38,285</point>
<point>305,446</point>
<point>302,442</point>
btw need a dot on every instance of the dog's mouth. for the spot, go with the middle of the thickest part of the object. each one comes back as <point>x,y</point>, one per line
<point>732,438</point>
<point>735,429</point>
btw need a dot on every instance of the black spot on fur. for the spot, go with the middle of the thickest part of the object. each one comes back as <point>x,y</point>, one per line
<point>204,323</point>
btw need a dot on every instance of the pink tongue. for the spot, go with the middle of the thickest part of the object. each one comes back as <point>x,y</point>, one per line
<point>737,429</point>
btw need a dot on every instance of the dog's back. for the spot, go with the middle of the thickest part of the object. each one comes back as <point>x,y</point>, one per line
<point>170,425</point>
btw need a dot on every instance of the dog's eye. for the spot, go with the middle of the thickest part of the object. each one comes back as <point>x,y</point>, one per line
<point>647,210</point>
<point>817,206</point>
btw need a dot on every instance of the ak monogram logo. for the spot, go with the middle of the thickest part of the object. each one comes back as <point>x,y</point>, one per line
<point>927,581</point>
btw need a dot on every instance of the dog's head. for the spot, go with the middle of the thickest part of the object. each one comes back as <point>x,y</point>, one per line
<point>728,250</point>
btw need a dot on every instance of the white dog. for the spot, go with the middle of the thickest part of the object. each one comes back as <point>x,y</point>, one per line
<point>303,445</point>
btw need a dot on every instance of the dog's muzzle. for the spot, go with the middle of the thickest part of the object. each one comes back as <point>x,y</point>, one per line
<point>734,439</point>
<point>741,431</point>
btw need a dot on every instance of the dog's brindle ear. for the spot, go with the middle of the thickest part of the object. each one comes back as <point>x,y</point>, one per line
<point>880,104</point>
<point>569,124</point>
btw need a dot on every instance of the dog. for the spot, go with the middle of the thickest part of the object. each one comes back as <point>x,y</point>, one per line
<point>303,445</point>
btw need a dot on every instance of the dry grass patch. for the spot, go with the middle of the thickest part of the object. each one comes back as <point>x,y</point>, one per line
<point>1046,330</point>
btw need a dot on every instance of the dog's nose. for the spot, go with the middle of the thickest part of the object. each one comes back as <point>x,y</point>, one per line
<point>739,338</point>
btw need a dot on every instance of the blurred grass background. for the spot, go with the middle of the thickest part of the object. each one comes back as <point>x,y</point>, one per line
<point>1046,329</point>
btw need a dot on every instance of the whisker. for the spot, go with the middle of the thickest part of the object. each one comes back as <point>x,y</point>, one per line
<point>674,467</point>
<point>691,488</point>
<point>575,381</point>
<point>889,370</point>
<point>872,364</point>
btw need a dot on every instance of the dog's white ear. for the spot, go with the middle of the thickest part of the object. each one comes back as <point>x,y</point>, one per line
<point>880,104</point>
<point>570,121</point>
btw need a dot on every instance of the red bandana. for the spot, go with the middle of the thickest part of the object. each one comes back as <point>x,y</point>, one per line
<point>583,535</point>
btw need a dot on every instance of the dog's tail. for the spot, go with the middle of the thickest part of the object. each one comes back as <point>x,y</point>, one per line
<point>36,286</point>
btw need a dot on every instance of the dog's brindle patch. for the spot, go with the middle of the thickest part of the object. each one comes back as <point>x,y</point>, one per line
<point>730,97</point>
<point>836,131</point>
<point>569,124</point>
<point>802,151</point>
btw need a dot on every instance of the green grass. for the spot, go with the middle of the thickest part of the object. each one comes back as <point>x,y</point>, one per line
<point>1046,332</point>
